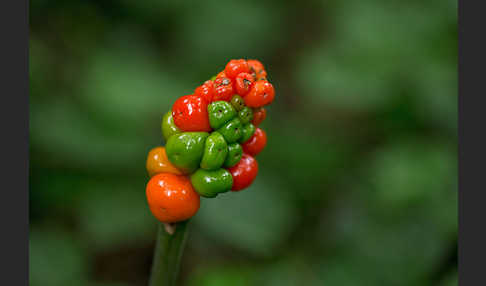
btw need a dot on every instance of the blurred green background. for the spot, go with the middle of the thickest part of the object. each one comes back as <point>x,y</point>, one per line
<point>357,185</point>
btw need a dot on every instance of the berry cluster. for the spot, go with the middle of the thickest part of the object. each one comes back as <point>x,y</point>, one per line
<point>211,138</point>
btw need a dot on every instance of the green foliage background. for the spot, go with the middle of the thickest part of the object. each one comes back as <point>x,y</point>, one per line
<point>358,182</point>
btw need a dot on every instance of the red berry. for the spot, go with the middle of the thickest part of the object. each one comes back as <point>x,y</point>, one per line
<point>260,94</point>
<point>243,83</point>
<point>256,69</point>
<point>206,91</point>
<point>235,67</point>
<point>244,172</point>
<point>223,89</point>
<point>190,113</point>
<point>259,114</point>
<point>255,65</point>
<point>221,74</point>
<point>262,76</point>
<point>256,143</point>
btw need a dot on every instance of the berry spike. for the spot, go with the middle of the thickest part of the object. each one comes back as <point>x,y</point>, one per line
<point>212,137</point>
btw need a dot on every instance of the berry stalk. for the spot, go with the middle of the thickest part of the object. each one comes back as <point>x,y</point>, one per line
<point>212,138</point>
<point>168,253</point>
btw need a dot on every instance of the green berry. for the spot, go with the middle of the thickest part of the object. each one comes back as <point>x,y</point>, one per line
<point>245,115</point>
<point>210,183</point>
<point>215,151</point>
<point>246,132</point>
<point>237,102</point>
<point>231,131</point>
<point>220,112</point>
<point>234,155</point>
<point>168,126</point>
<point>185,150</point>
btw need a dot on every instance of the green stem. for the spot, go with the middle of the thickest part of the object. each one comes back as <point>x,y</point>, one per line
<point>168,254</point>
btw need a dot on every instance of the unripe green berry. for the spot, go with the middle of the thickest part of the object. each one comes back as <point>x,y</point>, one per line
<point>245,115</point>
<point>235,151</point>
<point>220,112</point>
<point>237,102</point>
<point>210,183</point>
<point>168,126</point>
<point>246,132</point>
<point>231,131</point>
<point>215,152</point>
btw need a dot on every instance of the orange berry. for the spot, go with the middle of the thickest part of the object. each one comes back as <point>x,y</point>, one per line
<point>171,198</point>
<point>157,162</point>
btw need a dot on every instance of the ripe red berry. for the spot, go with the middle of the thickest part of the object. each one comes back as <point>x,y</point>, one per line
<point>256,143</point>
<point>221,74</point>
<point>244,172</point>
<point>260,94</point>
<point>206,91</point>
<point>223,89</point>
<point>235,67</point>
<point>190,113</point>
<point>262,76</point>
<point>256,69</point>
<point>255,65</point>
<point>243,83</point>
<point>259,114</point>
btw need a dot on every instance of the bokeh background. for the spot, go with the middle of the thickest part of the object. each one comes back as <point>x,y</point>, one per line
<point>357,185</point>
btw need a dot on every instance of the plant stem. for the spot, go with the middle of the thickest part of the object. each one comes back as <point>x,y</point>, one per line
<point>168,254</point>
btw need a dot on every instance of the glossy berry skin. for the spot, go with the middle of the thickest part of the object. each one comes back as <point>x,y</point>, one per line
<point>257,70</point>
<point>247,132</point>
<point>259,114</point>
<point>256,143</point>
<point>220,112</point>
<point>237,102</point>
<point>244,173</point>
<point>235,67</point>
<point>185,150</point>
<point>210,183</point>
<point>223,89</point>
<point>157,162</point>
<point>243,83</point>
<point>220,74</point>
<point>168,126</point>
<point>245,115</point>
<point>261,93</point>
<point>231,131</point>
<point>255,66</point>
<point>190,113</point>
<point>171,198</point>
<point>215,152</point>
<point>234,155</point>
<point>206,91</point>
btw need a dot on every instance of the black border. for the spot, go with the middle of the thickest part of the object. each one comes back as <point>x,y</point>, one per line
<point>14,30</point>
<point>472,142</point>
